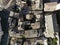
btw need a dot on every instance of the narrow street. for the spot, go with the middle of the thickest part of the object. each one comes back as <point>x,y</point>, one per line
<point>4,22</point>
<point>3,37</point>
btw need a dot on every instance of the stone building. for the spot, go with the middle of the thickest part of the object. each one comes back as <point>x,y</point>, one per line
<point>30,27</point>
<point>51,16</point>
<point>51,24</point>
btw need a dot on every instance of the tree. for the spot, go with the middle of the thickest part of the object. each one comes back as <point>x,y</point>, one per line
<point>38,43</point>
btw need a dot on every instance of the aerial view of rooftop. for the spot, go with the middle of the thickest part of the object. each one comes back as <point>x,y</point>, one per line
<point>29,22</point>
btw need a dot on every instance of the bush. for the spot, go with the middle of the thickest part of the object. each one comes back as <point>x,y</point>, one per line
<point>52,41</point>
